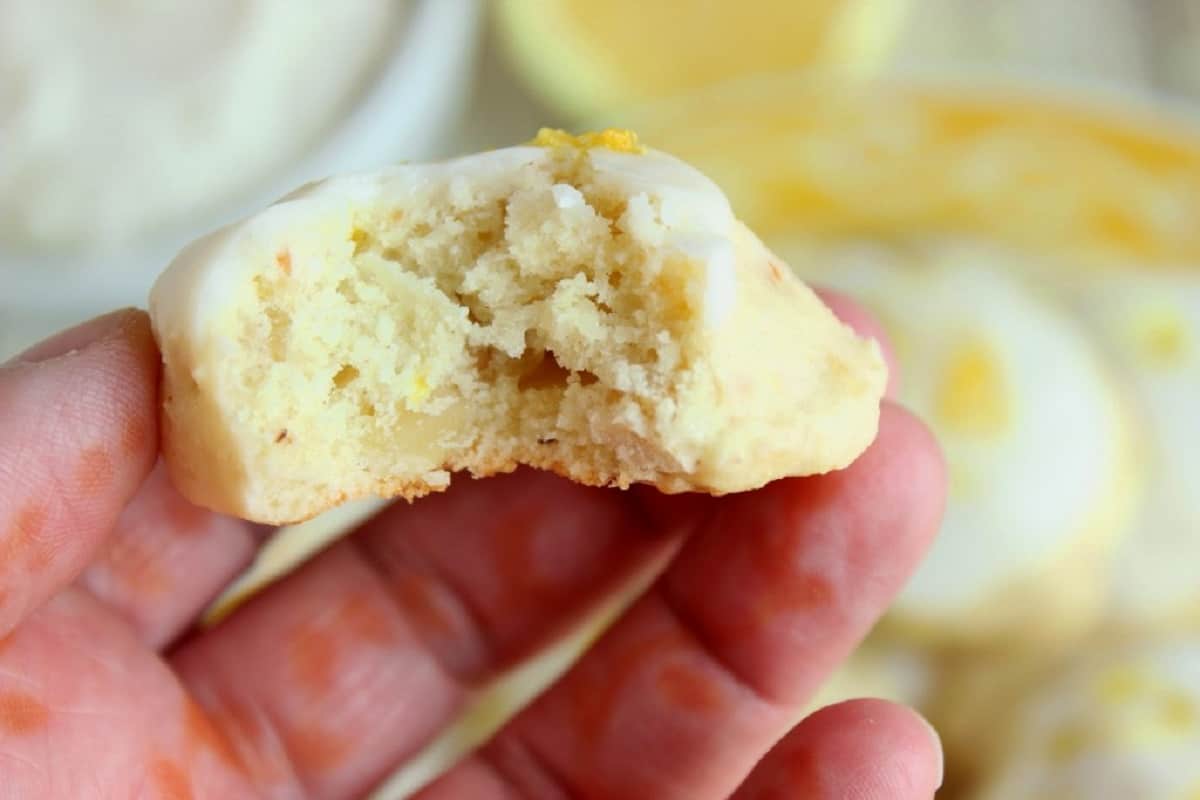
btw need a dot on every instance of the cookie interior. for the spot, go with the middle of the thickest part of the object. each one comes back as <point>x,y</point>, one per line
<point>522,315</point>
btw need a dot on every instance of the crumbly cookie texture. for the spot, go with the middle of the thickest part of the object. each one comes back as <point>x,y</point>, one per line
<point>578,304</point>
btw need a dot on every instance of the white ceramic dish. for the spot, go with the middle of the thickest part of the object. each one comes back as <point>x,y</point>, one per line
<point>406,113</point>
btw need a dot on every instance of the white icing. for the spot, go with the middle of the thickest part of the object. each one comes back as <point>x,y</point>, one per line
<point>1155,572</point>
<point>694,214</point>
<point>213,268</point>
<point>567,196</point>
<point>1115,728</point>
<point>719,258</point>
<point>688,199</point>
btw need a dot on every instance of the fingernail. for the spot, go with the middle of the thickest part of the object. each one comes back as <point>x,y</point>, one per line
<point>937,746</point>
<point>77,338</point>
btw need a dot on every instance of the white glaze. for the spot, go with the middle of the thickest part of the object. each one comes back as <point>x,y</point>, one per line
<point>694,214</point>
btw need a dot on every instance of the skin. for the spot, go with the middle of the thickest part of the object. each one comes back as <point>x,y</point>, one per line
<point>328,680</point>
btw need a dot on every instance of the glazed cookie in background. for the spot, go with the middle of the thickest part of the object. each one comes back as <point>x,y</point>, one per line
<point>1036,436</point>
<point>583,305</point>
<point>1114,727</point>
<point>973,703</point>
<point>1150,323</point>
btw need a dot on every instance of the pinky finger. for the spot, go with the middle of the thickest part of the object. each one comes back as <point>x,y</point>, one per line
<point>861,749</point>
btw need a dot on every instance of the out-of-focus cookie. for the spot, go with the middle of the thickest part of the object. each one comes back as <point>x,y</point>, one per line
<point>973,705</point>
<point>1113,728</point>
<point>580,304</point>
<point>1036,435</point>
<point>1150,323</point>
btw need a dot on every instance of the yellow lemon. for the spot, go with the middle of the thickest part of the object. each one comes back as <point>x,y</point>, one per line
<point>588,56</point>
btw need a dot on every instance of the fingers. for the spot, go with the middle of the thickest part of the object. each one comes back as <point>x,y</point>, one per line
<point>359,658</point>
<point>706,672</point>
<point>78,423</point>
<point>862,749</point>
<point>804,571</point>
<point>87,712</point>
<point>83,402</point>
<point>166,559</point>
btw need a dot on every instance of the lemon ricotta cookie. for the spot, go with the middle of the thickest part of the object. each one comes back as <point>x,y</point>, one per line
<point>1150,323</point>
<point>1116,726</point>
<point>1037,437</point>
<point>579,304</point>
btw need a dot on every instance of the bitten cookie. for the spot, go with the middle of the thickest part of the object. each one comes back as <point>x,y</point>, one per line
<point>579,304</point>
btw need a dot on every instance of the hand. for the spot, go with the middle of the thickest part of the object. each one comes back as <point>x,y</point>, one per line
<point>325,682</point>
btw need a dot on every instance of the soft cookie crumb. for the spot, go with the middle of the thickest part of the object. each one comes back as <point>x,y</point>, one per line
<point>603,316</point>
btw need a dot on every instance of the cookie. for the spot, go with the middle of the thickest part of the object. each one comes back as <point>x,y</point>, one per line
<point>974,706</point>
<point>1116,726</point>
<point>1037,439</point>
<point>580,304</point>
<point>1150,323</point>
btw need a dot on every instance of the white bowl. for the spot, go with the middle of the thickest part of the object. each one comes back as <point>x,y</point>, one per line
<point>411,106</point>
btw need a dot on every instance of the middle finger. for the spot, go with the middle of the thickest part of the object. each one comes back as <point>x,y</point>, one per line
<point>352,663</point>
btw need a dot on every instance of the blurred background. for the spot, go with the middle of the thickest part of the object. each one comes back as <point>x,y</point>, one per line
<point>1012,186</point>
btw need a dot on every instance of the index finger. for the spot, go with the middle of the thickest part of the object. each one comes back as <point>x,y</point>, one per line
<point>78,434</point>
<point>683,695</point>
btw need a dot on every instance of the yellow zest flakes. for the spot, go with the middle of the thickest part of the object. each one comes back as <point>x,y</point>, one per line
<point>1179,713</point>
<point>1121,684</point>
<point>360,239</point>
<point>1069,742</point>
<point>619,141</point>
<point>418,390</point>
<point>972,397</point>
<point>1161,337</point>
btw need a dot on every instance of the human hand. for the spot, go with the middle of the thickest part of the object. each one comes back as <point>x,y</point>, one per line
<point>325,682</point>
